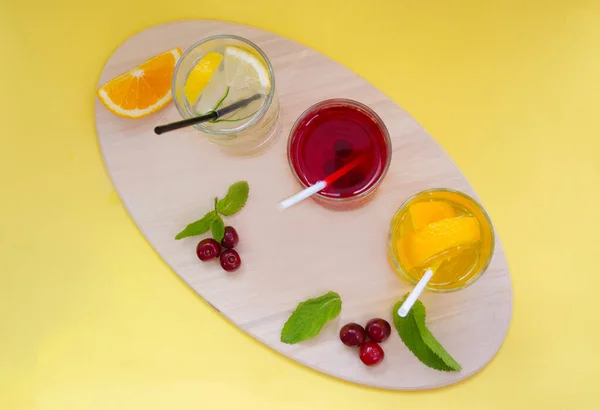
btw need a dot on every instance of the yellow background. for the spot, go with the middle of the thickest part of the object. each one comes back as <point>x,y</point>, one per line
<point>91,318</point>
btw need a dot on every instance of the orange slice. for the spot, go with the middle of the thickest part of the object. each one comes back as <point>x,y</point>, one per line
<point>424,213</point>
<point>142,90</point>
<point>420,246</point>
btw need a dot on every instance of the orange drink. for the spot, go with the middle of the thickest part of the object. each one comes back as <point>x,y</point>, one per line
<point>443,230</point>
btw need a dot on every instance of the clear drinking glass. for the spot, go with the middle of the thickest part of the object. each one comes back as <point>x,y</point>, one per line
<point>330,134</point>
<point>410,231</point>
<point>250,130</point>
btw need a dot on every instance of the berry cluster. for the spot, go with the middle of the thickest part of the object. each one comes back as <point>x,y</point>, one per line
<point>354,335</point>
<point>209,248</point>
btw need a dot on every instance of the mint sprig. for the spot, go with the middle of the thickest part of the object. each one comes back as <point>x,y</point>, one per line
<point>222,99</point>
<point>232,203</point>
<point>420,341</point>
<point>310,316</point>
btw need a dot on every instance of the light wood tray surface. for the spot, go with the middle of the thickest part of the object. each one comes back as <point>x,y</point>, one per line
<point>168,181</point>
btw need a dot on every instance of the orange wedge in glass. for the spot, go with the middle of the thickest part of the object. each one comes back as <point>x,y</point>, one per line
<point>418,247</point>
<point>142,90</point>
<point>424,213</point>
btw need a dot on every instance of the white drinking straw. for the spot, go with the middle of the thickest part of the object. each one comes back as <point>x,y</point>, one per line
<point>302,195</point>
<point>416,292</point>
<point>320,185</point>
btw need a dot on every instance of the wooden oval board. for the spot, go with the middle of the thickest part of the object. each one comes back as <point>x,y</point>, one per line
<point>168,181</point>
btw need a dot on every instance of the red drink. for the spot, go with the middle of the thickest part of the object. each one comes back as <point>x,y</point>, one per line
<point>329,135</point>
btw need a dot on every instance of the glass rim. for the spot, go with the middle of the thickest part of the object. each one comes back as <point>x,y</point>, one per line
<point>477,204</point>
<point>370,112</point>
<point>263,109</point>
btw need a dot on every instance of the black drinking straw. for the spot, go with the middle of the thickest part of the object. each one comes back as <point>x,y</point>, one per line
<point>213,115</point>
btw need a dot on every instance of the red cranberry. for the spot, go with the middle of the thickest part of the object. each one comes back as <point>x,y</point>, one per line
<point>371,353</point>
<point>230,239</point>
<point>230,260</point>
<point>352,334</point>
<point>378,330</point>
<point>208,249</point>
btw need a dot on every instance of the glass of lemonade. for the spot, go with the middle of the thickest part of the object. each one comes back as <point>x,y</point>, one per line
<point>443,230</point>
<point>219,71</point>
<point>331,134</point>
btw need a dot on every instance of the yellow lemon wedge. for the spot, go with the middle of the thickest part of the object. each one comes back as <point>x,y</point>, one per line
<point>201,75</point>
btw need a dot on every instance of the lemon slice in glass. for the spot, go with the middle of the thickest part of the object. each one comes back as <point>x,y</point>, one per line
<point>243,75</point>
<point>244,72</point>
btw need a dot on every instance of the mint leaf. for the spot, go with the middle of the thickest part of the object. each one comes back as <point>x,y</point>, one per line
<point>310,316</point>
<point>409,333</point>
<point>218,228</point>
<point>419,312</point>
<point>199,227</point>
<point>420,341</point>
<point>236,198</point>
